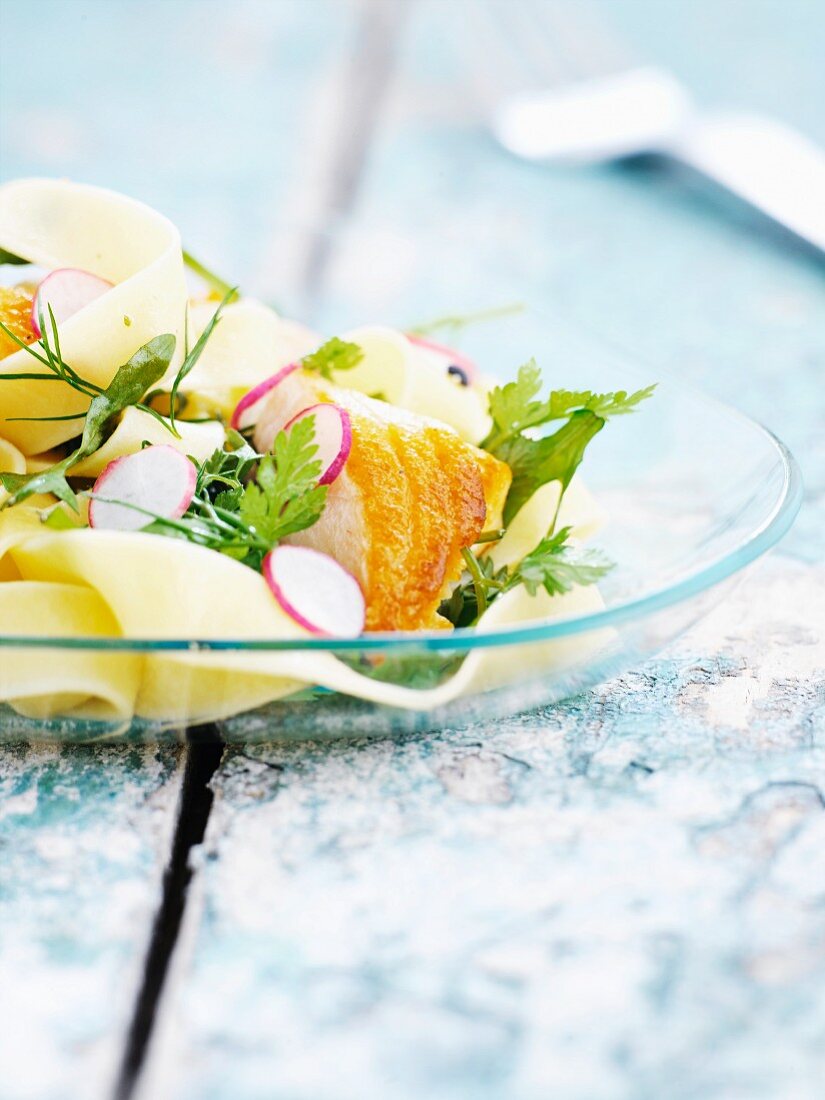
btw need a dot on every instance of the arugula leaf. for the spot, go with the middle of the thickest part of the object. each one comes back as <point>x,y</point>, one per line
<point>53,480</point>
<point>335,354</point>
<point>129,384</point>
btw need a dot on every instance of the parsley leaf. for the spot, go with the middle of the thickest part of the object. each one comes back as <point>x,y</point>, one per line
<point>334,355</point>
<point>516,409</point>
<point>554,565</point>
<point>285,496</point>
<point>556,457</point>
<point>245,503</point>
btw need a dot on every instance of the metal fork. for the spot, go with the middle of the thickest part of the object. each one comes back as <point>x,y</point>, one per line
<point>596,105</point>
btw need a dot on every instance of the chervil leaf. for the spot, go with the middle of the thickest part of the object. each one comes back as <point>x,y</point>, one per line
<point>513,406</point>
<point>556,566</point>
<point>334,355</point>
<point>243,511</point>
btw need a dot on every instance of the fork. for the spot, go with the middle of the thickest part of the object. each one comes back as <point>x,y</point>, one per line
<point>596,105</point>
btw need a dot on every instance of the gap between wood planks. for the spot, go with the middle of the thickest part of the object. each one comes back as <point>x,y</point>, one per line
<point>204,753</point>
<point>360,89</point>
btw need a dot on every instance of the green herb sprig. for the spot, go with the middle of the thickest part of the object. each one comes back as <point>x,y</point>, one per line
<point>130,382</point>
<point>213,281</point>
<point>556,565</point>
<point>192,355</point>
<point>517,409</point>
<point>455,322</point>
<point>245,503</point>
<point>334,355</point>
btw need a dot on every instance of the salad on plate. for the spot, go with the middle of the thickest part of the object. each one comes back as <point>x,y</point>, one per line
<point>180,461</point>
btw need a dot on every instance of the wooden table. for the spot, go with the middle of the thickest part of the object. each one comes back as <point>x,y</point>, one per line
<point>620,897</point>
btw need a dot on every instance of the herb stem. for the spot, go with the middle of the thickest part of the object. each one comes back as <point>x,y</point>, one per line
<point>210,278</point>
<point>459,321</point>
<point>479,580</point>
<point>491,536</point>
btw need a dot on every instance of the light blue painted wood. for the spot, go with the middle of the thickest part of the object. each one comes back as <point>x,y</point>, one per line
<point>84,838</point>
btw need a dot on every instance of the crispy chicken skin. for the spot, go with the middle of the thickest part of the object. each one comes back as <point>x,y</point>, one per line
<point>411,495</point>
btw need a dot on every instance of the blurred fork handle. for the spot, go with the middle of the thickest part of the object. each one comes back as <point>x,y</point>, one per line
<point>776,170</point>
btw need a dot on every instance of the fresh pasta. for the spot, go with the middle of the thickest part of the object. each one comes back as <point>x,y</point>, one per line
<point>181,465</point>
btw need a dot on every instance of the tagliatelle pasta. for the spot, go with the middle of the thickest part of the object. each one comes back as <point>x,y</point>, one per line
<point>251,343</point>
<point>137,428</point>
<point>12,461</point>
<point>56,224</point>
<point>42,683</point>
<point>390,509</point>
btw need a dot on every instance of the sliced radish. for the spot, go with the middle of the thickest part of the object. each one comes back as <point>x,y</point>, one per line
<point>333,437</point>
<point>315,591</point>
<point>244,414</point>
<point>67,290</point>
<point>158,480</point>
<point>452,358</point>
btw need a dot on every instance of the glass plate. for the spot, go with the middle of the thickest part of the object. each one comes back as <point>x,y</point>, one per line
<point>692,490</point>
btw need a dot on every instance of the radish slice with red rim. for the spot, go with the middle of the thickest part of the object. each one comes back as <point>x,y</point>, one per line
<point>244,414</point>
<point>333,438</point>
<point>315,591</point>
<point>456,362</point>
<point>67,290</point>
<point>157,480</point>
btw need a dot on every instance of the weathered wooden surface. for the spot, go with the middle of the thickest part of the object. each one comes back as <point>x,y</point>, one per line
<point>84,837</point>
<point>620,897</point>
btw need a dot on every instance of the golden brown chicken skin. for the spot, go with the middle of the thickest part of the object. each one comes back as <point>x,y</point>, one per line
<point>411,495</point>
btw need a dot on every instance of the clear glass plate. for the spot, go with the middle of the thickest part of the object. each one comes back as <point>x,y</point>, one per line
<point>693,492</point>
